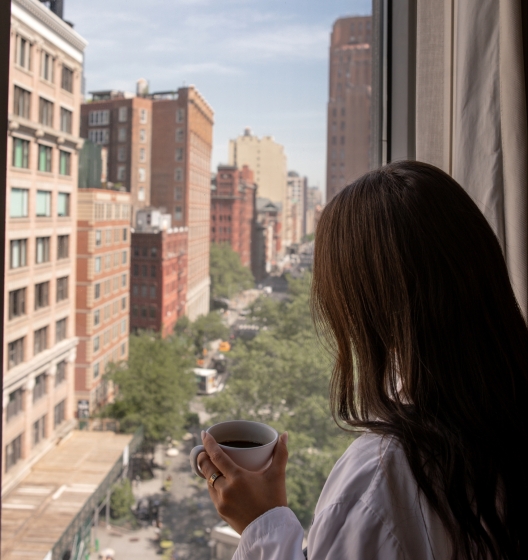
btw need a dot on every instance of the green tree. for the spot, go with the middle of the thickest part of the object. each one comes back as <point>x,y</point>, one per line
<point>155,386</point>
<point>281,378</point>
<point>121,500</point>
<point>228,275</point>
<point>205,329</point>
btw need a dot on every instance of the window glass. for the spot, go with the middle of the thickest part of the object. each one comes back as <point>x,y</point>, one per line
<point>97,291</point>
<point>39,389</point>
<point>18,253</point>
<point>142,135</point>
<point>13,452</point>
<point>64,162</point>
<point>62,288</point>
<point>97,264</point>
<point>22,102</point>
<point>124,257</point>
<point>98,238</point>
<point>96,370</point>
<point>40,340</point>
<point>97,317</point>
<point>122,134</point>
<point>96,344</point>
<point>45,112</point>
<point>18,204</point>
<point>66,120</point>
<point>15,352</point>
<point>15,404</point>
<point>60,330</point>
<point>17,303</point>
<point>98,135</point>
<point>123,112</point>
<point>42,253</point>
<point>60,374</point>
<point>63,244</point>
<point>63,204</point>
<point>20,153</point>
<point>44,160</point>
<point>59,413</point>
<point>41,295</point>
<point>67,79</point>
<point>43,203</point>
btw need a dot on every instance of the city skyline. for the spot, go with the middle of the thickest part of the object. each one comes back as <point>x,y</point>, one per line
<point>263,67</point>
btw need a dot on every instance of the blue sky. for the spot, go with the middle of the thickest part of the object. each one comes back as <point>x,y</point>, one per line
<point>262,64</point>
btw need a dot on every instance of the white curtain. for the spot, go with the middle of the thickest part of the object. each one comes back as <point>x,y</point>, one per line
<point>471,117</point>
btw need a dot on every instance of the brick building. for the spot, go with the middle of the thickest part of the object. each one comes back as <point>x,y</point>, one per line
<point>348,133</point>
<point>159,275</point>
<point>181,180</point>
<point>122,123</point>
<point>45,74</point>
<point>267,238</point>
<point>233,212</point>
<point>297,205</point>
<point>102,296</point>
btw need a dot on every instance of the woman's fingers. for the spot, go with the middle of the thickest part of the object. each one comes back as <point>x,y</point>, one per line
<point>206,466</point>
<point>219,459</point>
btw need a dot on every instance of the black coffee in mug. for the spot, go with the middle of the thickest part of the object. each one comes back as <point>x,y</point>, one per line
<point>240,444</point>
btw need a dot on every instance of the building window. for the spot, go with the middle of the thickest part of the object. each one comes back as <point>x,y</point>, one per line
<point>142,135</point>
<point>108,262</point>
<point>97,265</point>
<point>125,234</point>
<point>66,119</point>
<point>144,291</point>
<point>98,135</point>
<point>179,135</point>
<point>39,430</point>
<point>63,204</point>
<point>123,326</point>
<point>143,116</point>
<point>22,102</point>
<point>44,159</point>
<point>122,134</point>
<point>124,257</point>
<point>14,406</point>
<point>152,292</point>
<point>116,260</point>
<point>97,291</point>
<point>180,115</point>
<point>43,204</point>
<point>60,375</point>
<point>96,370</point>
<point>178,214</point>
<point>142,155</point>
<point>15,353</point>
<point>143,312</point>
<point>135,310</point>
<point>153,271</point>
<point>152,312</point>
<point>154,252</point>
<point>98,238</point>
<point>178,174</point>
<point>135,290</point>
<point>121,172</point>
<point>96,317</point>
<point>18,204</point>
<point>23,52</point>
<point>178,193</point>
<point>41,295</point>
<point>135,270</point>
<point>39,389</point>
<point>98,118</point>
<point>63,243</point>
<point>108,236</point>
<point>45,112</point>
<point>123,303</point>
<point>13,453</point>
<point>40,340</point>
<point>62,288</point>
<point>18,253</point>
<point>64,163</point>
<point>42,253</point>
<point>178,156</point>
<point>60,330</point>
<point>106,337</point>
<point>144,271</point>
<point>96,344</point>
<point>141,194</point>
<point>142,174</point>
<point>58,413</point>
<point>121,153</point>
<point>123,114</point>
<point>20,154</point>
<point>17,303</point>
<point>67,79</point>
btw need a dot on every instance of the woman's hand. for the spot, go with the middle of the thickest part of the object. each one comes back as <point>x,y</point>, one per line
<point>240,496</point>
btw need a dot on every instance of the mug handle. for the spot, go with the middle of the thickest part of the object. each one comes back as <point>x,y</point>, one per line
<point>193,458</point>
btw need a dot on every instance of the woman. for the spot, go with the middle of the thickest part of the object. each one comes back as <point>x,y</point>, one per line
<point>431,360</point>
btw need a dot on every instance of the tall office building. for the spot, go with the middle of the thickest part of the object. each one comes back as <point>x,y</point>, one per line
<point>348,132</point>
<point>122,123</point>
<point>297,201</point>
<point>45,82</point>
<point>268,161</point>
<point>182,136</point>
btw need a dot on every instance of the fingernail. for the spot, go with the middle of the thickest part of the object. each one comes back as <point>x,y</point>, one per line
<point>285,438</point>
<point>203,435</point>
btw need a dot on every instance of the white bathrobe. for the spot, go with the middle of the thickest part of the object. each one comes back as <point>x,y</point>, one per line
<point>370,508</point>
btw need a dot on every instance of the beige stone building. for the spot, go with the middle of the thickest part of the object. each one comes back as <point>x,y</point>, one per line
<point>268,161</point>
<point>39,323</point>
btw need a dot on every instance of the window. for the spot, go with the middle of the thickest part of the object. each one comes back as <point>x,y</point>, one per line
<point>152,292</point>
<point>123,303</point>
<point>179,135</point>
<point>154,252</point>
<point>62,288</point>
<point>23,52</point>
<point>125,234</point>
<point>43,204</point>
<point>14,406</point>
<point>135,290</point>
<point>135,310</point>
<point>63,204</point>
<point>98,238</point>
<point>142,174</point>
<point>96,370</point>
<point>108,236</point>
<point>63,243</point>
<point>58,413</point>
<point>96,317</point>
<point>152,312</point>
<point>144,291</point>
<point>13,452</point>
<point>107,287</point>
<point>144,271</point>
<point>39,389</point>
<point>41,295</point>
<point>40,340</point>
<point>22,102</point>
<point>116,259</point>
<point>67,79</point>
<point>106,337</point>
<point>135,270</point>
<point>180,115</point>
<point>143,312</point>
<point>178,214</point>
<point>66,117</point>
<point>39,430</point>
<point>143,116</point>
<point>18,204</point>
<point>15,353</point>
<point>97,118</point>
<point>153,271</point>
<point>108,262</point>
<point>142,155</point>
<point>60,330</point>
<point>178,174</point>
<point>178,193</point>
<point>142,135</point>
<point>64,163</point>
<point>123,113</point>
<point>97,264</point>
<point>18,253</point>
<point>144,251</point>
<point>45,112</point>
<point>178,156</point>
<point>17,303</point>
<point>122,134</point>
<point>141,193</point>
<point>97,291</point>
<point>42,253</point>
<point>20,154</point>
<point>124,257</point>
<point>44,159</point>
<point>60,375</point>
<point>98,135</point>
<point>123,326</point>
<point>121,173</point>
<point>121,153</point>
<point>123,280</point>
<point>96,344</point>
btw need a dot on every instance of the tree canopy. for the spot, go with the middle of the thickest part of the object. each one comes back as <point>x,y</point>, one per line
<point>205,329</point>
<point>228,275</point>
<point>281,377</point>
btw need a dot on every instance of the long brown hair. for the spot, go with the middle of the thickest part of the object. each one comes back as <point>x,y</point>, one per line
<point>411,289</point>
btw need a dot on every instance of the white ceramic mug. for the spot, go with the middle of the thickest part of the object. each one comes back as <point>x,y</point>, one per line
<point>250,458</point>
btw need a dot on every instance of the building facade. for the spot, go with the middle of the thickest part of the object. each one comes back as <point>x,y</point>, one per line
<point>159,279</point>
<point>233,211</point>
<point>348,120</point>
<point>45,81</point>
<point>313,208</point>
<point>297,205</point>
<point>122,123</point>
<point>268,161</point>
<point>181,180</point>
<point>102,295</point>
<point>267,238</point>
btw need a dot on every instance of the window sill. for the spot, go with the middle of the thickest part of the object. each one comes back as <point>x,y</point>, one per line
<point>20,169</point>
